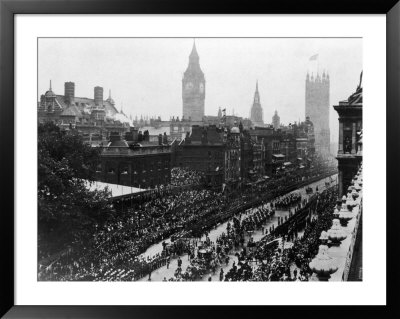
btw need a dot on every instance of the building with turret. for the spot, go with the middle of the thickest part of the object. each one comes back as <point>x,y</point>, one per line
<point>276,120</point>
<point>92,117</point>
<point>256,112</point>
<point>193,89</point>
<point>317,109</point>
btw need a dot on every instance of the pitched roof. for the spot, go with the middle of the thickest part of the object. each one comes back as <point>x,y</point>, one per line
<point>71,111</point>
<point>84,102</point>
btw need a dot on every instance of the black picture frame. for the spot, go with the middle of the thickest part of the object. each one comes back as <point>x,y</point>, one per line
<point>9,8</point>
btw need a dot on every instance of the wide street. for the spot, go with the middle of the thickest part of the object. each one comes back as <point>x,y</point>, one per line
<point>164,272</point>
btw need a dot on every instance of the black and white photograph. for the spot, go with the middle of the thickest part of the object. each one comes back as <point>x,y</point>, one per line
<point>199,159</point>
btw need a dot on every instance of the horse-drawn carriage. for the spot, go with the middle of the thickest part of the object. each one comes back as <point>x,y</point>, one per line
<point>200,265</point>
<point>194,272</point>
<point>309,190</point>
<point>206,258</point>
<point>177,246</point>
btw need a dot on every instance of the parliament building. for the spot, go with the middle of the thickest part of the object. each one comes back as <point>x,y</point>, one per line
<point>193,89</point>
<point>317,109</point>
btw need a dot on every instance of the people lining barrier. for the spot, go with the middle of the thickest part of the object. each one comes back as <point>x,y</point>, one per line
<point>115,251</point>
<point>274,263</point>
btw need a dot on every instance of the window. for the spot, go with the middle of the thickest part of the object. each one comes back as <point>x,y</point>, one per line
<point>347,142</point>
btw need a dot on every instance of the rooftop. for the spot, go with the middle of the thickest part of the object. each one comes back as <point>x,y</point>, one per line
<point>115,189</point>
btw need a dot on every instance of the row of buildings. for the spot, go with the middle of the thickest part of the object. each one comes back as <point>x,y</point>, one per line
<point>227,155</point>
<point>316,102</point>
<point>97,117</point>
<point>230,155</point>
<point>230,150</point>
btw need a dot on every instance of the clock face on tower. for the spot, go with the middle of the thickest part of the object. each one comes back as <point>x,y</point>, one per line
<point>201,87</point>
<point>189,85</point>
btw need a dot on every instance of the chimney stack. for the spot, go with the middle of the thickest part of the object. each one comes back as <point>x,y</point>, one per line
<point>69,92</point>
<point>98,96</point>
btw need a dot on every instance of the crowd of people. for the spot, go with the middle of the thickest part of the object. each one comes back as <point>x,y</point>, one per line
<point>116,247</point>
<point>123,238</point>
<point>287,201</point>
<point>185,176</point>
<point>277,263</point>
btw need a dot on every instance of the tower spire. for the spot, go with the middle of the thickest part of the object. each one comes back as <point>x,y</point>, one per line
<point>256,95</point>
<point>50,86</point>
<point>194,49</point>
<point>194,56</point>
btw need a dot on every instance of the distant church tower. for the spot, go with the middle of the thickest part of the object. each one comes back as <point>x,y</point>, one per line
<point>256,113</point>
<point>193,88</point>
<point>219,113</point>
<point>317,109</point>
<point>276,120</point>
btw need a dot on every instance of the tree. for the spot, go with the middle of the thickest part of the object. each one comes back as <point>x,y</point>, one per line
<point>67,210</point>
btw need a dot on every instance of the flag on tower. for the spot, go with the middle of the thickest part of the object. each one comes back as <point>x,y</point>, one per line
<point>314,57</point>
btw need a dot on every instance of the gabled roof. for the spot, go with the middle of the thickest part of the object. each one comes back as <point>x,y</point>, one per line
<point>82,102</point>
<point>71,111</point>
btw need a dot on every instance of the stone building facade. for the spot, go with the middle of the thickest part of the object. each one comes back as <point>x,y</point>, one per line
<point>291,145</point>
<point>193,89</point>
<point>349,154</point>
<point>317,109</point>
<point>232,165</point>
<point>203,150</point>
<point>130,163</point>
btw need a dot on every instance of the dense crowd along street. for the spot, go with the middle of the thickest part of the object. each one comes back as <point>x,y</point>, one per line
<point>189,189</point>
<point>185,176</point>
<point>232,240</point>
<point>116,252</point>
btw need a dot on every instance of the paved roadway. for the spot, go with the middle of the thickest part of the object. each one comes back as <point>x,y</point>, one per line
<point>159,274</point>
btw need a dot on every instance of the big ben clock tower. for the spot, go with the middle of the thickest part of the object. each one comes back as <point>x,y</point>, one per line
<point>193,88</point>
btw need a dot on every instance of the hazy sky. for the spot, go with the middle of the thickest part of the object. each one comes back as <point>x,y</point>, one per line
<point>145,74</point>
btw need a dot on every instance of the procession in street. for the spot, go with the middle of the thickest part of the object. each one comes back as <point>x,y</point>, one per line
<point>239,178</point>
